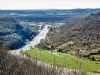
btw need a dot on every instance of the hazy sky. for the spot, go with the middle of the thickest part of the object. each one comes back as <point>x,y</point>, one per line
<point>48,4</point>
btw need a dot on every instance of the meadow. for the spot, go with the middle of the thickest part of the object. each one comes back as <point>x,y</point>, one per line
<point>63,60</point>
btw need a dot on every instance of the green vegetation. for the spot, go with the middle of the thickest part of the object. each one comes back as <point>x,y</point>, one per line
<point>64,60</point>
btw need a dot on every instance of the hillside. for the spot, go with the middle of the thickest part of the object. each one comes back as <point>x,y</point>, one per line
<point>12,34</point>
<point>16,65</point>
<point>85,34</point>
<point>87,28</point>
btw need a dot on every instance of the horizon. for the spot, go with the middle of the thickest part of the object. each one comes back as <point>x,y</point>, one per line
<point>53,9</point>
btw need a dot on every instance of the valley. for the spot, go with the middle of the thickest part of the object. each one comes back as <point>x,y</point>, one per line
<point>64,38</point>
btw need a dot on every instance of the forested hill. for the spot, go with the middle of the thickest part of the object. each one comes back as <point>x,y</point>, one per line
<point>12,34</point>
<point>87,28</point>
<point>84,35</point>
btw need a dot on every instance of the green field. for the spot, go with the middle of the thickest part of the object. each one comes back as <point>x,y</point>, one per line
<point>64,60</point>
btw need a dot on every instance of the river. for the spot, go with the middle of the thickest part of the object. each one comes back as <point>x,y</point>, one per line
<point>36,40</point>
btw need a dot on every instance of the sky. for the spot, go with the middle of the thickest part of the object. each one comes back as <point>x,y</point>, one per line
<point>48,4</point>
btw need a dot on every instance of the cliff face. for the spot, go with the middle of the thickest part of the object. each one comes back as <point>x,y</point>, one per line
<point>12,34</point>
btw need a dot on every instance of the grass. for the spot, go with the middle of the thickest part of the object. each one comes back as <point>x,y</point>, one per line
<point>64,60</point>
